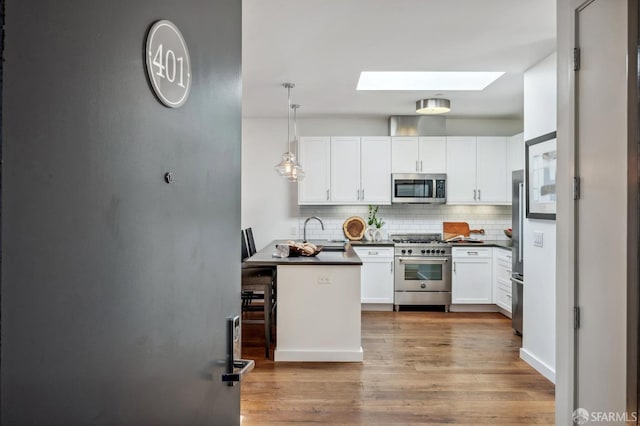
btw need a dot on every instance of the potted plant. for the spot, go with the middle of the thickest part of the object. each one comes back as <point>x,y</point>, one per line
<point>373,232</point>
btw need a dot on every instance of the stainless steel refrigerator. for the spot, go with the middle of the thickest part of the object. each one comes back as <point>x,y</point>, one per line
<point>517,277</point>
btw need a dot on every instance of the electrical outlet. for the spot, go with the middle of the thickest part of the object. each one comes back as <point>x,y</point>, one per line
<point>537,239</point>
<point>324,279</point>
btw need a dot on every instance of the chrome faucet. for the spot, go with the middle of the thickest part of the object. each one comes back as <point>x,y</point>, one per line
<point>304,234</point>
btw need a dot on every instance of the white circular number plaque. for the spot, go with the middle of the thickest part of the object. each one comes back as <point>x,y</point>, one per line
<point>168,64</point>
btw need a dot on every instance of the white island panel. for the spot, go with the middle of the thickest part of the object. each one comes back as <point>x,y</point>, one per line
<point>318,315</point>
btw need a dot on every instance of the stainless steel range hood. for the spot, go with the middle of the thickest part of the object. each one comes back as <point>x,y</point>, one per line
<point>416,125</point>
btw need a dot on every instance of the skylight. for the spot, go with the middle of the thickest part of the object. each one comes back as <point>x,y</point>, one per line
<point>433,80</point>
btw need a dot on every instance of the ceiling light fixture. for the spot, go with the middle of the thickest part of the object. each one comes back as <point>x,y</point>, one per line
<point>287,167</point>
<point>433,106</point>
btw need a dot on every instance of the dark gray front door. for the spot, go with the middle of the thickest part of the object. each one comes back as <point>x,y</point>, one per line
<point>116,285</point>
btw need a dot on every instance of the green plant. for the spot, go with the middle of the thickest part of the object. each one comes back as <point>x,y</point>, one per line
<point>372,219</point>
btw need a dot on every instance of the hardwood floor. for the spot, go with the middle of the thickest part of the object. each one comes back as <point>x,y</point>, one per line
<point>419,368</point>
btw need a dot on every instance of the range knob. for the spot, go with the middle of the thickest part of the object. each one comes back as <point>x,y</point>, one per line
<point>423,251</point>
<point>433,252</point>
<point>410,251</point>
<point>403,251</point>
<point>442,251</point>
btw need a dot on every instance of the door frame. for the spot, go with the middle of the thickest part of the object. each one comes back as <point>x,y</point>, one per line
<point>633,209</point>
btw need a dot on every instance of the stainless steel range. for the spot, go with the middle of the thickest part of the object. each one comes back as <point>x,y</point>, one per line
<point>422,270</point>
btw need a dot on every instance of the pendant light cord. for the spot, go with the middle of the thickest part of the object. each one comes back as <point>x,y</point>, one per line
<point>289,116</point>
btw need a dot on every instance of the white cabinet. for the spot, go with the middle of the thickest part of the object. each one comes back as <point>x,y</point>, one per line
<point>472,275</point>
<point>476,170</point>
<point>376,278</point>
<point>502,278</point>
<point>375,169</point>
<point>350,170</point>
<point>425,154</point>
<point>345,169</point>
<point>461,170</point>
<point>515,159</point>
<point>314,155</point>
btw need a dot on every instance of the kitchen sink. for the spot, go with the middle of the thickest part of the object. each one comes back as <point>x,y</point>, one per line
<point>329,245</point>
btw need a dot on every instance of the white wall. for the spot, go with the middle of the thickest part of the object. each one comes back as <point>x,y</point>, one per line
<point>538,342</point>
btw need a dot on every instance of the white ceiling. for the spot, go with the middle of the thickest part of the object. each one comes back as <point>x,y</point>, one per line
<point>323,45</point>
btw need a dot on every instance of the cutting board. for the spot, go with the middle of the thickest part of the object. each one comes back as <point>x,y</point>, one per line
<point>453,229</point>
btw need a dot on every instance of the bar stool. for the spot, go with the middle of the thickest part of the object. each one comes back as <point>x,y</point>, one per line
<point>258,292</point>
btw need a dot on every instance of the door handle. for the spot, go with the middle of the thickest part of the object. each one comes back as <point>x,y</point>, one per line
<point>474,194</point>
<point>236,368</point>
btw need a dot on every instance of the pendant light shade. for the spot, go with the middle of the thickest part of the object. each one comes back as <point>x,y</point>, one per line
<point>433,106</point>
<point>288,167</point>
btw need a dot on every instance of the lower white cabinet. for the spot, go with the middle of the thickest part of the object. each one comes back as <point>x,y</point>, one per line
<point>502,278</point>
<point>376,278</point>
<point>472,275</point>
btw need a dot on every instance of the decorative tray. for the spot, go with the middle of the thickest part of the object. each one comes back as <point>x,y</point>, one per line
<point>354,228</point>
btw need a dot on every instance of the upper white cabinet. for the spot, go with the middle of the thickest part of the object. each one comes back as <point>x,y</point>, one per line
<point>375,169</point>
<point>425,154</point>
<point>345,170</point>
<point>515,159</point>
<point>476,170</point>
<point>315,159</point>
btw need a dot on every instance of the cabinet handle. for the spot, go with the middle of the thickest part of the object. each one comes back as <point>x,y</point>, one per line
<point>420,165</point>
<point>479,198</point>
<point>474,253</point>
<point>391,267</point>
<point>363,195</point>
<point>417,170</point>
<point>474,194</point>
<point>358,194</point>
<point>327,195</point>
<point>454,266</point>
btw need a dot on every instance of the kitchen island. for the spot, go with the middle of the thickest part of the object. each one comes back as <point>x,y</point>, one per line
<point>318,303</point>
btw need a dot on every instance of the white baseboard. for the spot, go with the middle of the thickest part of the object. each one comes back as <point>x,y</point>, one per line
<point>540,366</point>
<point>318,355</point>
<point>377,307</point>
<point>473,308</point>
<point>504,312</point>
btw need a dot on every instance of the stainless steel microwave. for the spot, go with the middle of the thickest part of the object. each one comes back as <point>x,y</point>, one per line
<point>419,188</point>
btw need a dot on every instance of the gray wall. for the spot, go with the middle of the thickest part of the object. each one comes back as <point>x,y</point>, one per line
<point>115,286</point>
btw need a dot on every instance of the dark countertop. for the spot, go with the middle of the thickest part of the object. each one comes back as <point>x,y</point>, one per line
<point>340,258</point>
<point>506,244</point>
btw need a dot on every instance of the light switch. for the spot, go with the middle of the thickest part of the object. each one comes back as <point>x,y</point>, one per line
<point>537,239</point>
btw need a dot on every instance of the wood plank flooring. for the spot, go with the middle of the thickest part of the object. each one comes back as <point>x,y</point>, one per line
<point>419,368</point>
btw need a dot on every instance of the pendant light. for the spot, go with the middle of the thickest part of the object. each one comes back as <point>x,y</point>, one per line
<point>287,167</point>
<point>297,173</point>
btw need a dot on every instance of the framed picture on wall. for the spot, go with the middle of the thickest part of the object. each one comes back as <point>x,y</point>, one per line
<point>540,171</point>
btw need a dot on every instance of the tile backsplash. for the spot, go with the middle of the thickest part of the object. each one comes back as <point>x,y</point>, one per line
<point>407,218</point>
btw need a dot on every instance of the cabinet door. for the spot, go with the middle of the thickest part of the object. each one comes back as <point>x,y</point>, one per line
<point>375,170</point>
<point>345,169</point>
<point>377,281</point>
<point>314,157</point>
<point>404,154</point>
<point>461,170</point>
<point>515,159</point>
<point>433,155</point>
<point>491,170</point>
<point>471,282</point>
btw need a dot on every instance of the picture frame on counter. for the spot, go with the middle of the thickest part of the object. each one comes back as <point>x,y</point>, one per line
<point>540,172</point>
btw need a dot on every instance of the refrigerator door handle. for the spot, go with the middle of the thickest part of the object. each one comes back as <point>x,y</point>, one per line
<point>236,368</point>
<point>520,219</point>
<point>517,281</point>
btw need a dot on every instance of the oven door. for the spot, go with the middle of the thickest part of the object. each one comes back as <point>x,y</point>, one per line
<point>423,274</point>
